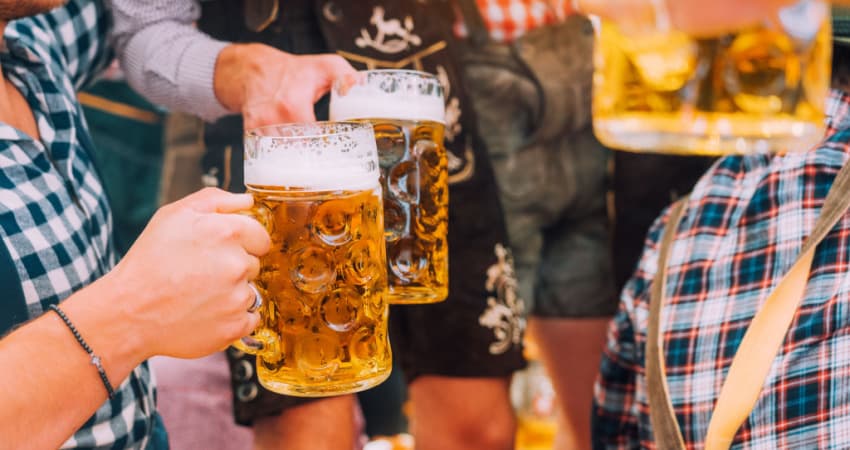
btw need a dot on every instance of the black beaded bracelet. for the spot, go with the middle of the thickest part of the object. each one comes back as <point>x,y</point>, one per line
<point>95,360</point>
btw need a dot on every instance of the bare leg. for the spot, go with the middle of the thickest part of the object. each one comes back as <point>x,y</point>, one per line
<point>450,413</point>
<point>327,424</point>
<point>571,350</point>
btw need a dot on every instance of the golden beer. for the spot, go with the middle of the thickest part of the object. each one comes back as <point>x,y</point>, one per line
<point>323,327</point>
<point>535,433</point>
<point>760,89</point>
<point>407,112</point>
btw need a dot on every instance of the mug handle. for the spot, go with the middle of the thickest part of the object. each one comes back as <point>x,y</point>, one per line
<point>262,341</point>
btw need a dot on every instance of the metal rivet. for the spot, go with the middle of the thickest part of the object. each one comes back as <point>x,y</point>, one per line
<point>247,392</point>
<point>331,12</point>
<point>244,370</point>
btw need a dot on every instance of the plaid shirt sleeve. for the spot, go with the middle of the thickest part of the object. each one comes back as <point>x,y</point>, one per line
<point>80,32</point>
<point>617,414</point>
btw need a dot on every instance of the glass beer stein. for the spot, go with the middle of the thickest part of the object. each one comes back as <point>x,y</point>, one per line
<point>760,89</point>
<point>323,327</point>
<point>407,110</point>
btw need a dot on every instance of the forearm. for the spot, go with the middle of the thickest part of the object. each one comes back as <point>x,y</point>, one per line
<point>49,386</point>
<point>173,65</point>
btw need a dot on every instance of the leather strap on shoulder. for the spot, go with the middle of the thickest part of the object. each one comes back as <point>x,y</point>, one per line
<point>751,364</point>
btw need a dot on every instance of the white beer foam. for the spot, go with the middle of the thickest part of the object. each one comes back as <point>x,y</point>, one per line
<point>370,102</point>
<point>273,171</point>
<point>308,157</point>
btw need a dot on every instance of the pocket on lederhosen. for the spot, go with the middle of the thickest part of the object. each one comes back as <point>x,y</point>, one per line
<point>532,99</point>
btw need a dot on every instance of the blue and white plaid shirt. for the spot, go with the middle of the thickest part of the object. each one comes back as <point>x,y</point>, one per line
<point>55,222</point>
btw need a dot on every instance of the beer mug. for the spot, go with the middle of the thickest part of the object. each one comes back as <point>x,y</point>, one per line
<point>407,110</point>
<point>759,89</point>
<point>323,326</point>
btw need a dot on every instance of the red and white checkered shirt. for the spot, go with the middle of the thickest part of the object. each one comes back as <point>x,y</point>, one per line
<point>509,19</point>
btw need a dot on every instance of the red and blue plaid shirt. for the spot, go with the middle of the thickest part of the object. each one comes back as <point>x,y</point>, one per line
<point>741,232</point>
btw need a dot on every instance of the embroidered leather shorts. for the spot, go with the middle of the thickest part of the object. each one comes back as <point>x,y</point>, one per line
<point>532,99</point>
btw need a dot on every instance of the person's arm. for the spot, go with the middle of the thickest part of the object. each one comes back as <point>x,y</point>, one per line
<point>182,290</point>
<point>172,63</point>
<point>165,57</point>
<point>616,415</point>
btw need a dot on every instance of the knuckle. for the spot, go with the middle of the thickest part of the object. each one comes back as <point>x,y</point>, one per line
<point>168,210</point>
<point>208,192</point>
<point>225,230</point>
<point>235,330</point>
<point>249,323</point>
<point>207,229</point>
<point>253,268</point>
<point>246,274</point>
<point>264,240</point>
<point>242,326</point>
<point>235,271</point>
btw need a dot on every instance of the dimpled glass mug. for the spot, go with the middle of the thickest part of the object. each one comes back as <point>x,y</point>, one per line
<point>407,110</point>
<point>760,89</point>
<point>323,327</point>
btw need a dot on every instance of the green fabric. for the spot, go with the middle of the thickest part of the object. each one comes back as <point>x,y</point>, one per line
<point>841,25</point>
<point>129,156</point>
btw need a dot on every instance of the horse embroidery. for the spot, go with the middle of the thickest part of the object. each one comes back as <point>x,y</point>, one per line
<point>392,36</point>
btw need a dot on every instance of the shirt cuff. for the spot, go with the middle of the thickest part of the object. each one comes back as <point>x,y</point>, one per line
<point>195,79</point>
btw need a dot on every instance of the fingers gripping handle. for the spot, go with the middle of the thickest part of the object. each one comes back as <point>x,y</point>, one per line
<point>262,341</point>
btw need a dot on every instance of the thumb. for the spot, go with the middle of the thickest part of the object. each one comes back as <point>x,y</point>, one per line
<point>285,110</point>
<point>300,107</point>
<point>213,200</point>
<point>331,69</point>
<point>335,66</point>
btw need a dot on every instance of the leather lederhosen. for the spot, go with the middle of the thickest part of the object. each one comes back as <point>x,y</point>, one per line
<point>533,96</point>
<point>481,323</point>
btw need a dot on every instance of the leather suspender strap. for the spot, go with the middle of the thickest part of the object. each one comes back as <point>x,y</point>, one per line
<point>665,427</point>
<point>475,26</point>
<point>754,357</point>
<point>259,14</point>
<point>751,364</point>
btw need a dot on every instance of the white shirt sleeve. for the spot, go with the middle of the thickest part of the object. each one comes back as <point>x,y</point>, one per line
<point>165,57</point>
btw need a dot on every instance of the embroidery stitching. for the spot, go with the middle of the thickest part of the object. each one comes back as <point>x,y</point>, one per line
<point>504,313</point>
<point>387,29</point>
